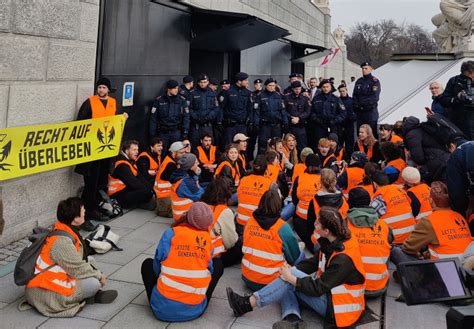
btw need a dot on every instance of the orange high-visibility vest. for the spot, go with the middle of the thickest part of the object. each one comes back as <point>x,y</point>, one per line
<point>217,243</point>
<point>398,164</point>
<point>162,187</point>
<point>342,211</point>
<point>98,109</point>
<point>328,161</point>
<point>308,185</point>
<point>179,206</point>
<point>55,278</point>
<point>369,188</point>
<point>202,156</point>
<point>154,164</point>
<point>184,275</point>
<point>452,232</point>
<point>272,172</point>
<point>298,169</point>
<point>243,159</point>
<point>286,152</point>
<point>340,155</point>
<point>395,139</point>
<point>347,300</point>
<point>375,251</point>
<point>234,169</point>
<point>422,193</point>
<point>370,150</point>
<point>115,185</point>
<point>398,216</point>
<point>249,193</point>
<point>355,176</point>
<point>263,252</point>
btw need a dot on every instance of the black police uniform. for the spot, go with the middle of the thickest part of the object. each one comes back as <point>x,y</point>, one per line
<point>203,110</point>
<point>252,130</point>
<point>459,105</point>
<point>169,117</point>
<point>269,117</point>
<point>236,105</point>
<point>186,93</point>
<point>365,97</point>
<point>348,125</point>
<point>298,106</point>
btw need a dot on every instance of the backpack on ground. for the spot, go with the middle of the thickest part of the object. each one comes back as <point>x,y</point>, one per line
<point>441,129</point>
<point>26,262</point>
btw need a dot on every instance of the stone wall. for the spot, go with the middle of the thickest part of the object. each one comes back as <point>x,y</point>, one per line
<point>47,68</point>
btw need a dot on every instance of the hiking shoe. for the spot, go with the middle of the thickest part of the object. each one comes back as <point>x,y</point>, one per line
<point>105,296</point>
<point>239,304</point>
<point>88,226</point>
<point>291,321</point>
<point>97,216</point>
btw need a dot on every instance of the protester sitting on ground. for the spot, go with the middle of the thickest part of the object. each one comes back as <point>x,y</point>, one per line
<point>126,184</point>
<point>228,167</point>
<point>387,134</point>
<point>369,169</point>
<point>304,189</point>
<point>186,188</point>
<point>418,192</point>
<point>326,155</point>
<point>223,231</point>
<point>340,278</point>
<point>374,237</point>
<point>393,206</point>
<point>268,242</point>
<point>445,232</point>
<point>397,128</point>
<point>338,151</point>
<point>69,278</point>
<point>290,151</point>
<point>149,161</point>
<point>241,141</point>
<point>367,143</point>
<point>393,163</point>
<point>187,145</point>
<point>178,280</point>
<point>207,155</point>
<point>300,167</point>
<point>276,144</point>
<point>352,175</point>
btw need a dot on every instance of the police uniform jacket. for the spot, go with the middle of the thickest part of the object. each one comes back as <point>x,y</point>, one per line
<point>270,109</point>
<point>349,105</point>
<point>298,106</point>
<point>169,113</point>
<point>204,107</point>
<point>366,94</point>
<point>236,105</point>
<point>327,109</point>
<point>185,92</point>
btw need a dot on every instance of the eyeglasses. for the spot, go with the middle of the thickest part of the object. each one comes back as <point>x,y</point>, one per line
<point>187,145</point>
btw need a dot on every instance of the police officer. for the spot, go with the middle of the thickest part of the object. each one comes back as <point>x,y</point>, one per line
<point>327,113</point>
<point>348,126</point>
<point>365,97</point>
<point>237,106</point>
<point>203,110</point>
<point>292,78</point>
<point>458,97</point>
<point>186,88</point>
<point>252,131</point>
<point>169,116</point>
<point>218,128</point>
<point>213,84</point>
<point>270,115</point>
<point>298,108</point>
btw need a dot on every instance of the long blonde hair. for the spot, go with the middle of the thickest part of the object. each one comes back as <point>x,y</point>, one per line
<point>293,155</point>
<point>371,140</point>
<point>328,180</point>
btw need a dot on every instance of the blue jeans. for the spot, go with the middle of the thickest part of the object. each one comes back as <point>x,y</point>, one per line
<point>283,292</point>
<point>233,200</point>
<point>288,211</point>
<point>397,255</point>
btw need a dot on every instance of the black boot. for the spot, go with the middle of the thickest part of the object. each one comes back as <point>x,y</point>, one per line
<point>239,304</point>
<point>291,321</point>
<point>103,297</point>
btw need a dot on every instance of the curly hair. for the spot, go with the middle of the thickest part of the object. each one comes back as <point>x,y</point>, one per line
<point>331,219</point>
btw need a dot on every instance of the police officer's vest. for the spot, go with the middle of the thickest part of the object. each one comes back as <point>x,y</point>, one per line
<point>308,185</point>
<point>263,252</point>
<point>115,185</point>
<point>272,172</point>
<point>422,193</point>
<point>217,243</point>
<point>98,109</point>
<point>184,275</point>
<point>343,209</point>
<point>355,176</point>
<point>154,164</point>
<point>54,278</point>
<point>249,193</point>
<point>375,251</point>
<point>347,300</point>
<point>162,187</point>
<point>398,216</point>
<point>398,164</point>
<point>202,156</point>
<point>179,206</point>
<point>452,232</point>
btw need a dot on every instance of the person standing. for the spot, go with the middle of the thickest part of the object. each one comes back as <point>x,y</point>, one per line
<point>298,108</point>
<point>348,125</point>
<point>253,131</point>
<point>313,87</point>
<point>186,88</point>
<point>366,97</point>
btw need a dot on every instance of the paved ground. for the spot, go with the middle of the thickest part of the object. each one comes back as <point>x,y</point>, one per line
<point>141,231</point>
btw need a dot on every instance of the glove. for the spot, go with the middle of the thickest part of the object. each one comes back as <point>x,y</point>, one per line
<point>461,97</point>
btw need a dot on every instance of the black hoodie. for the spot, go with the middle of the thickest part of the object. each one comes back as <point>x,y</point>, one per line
<point>324,199</point>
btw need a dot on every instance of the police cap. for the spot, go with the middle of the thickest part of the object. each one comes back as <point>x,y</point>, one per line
<point>188,79</point>
<point>365,64</point>
<point>296,84</point>
<point>293,75</point>
<point>241,76</point>
<point>172,84</point>
<point>323,82</point>
<point>214,81</point>
<point>225,82</point>
<point>202,77</point>
<point>258,81</point>
<point>269,80</point>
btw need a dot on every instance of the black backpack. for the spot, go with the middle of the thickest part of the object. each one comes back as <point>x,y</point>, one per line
<point>26,262</point>
<point>441,129</point>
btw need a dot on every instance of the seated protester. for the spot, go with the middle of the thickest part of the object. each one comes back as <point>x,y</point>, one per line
<point>229,167</point>
<point>393,206</point>
<point>68,279</point>
<point>326,155</point>
<point>374,237</point>
<point>149,161</point>
<point>304,189</point>
<point>393,158</point>
<point>445,232</point>
<point>387,134</point>
<point>369,169</point>
<point>367,143</point>
<point>274,172</point>
<point>327,196</point>
<point>276,144</point>
<point>300,167</point>
<point>186,188</point>
<point>418,192</point>
<point>353,175</point>
<point>180,284</point>
<point>187,145</point>
<point>397,128</point>
<point>251,189</point>
<point>225,239</point>
<point>290,153</point>
<point>338,151</point>
<point>127,184</point>
<point>337,277</point>
<point>241,141</point>
<point>268,242</point>
<point>207,155</point>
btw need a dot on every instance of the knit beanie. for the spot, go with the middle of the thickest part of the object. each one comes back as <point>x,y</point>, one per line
<point>358,198</point>
<point>312,160</point>
<point>187,161</point>
<point>392,174</point>
<point>200,216</point>
<point>103,81</point>
<point>411,175</point>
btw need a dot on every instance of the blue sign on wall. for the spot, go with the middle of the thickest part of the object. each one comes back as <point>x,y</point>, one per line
<point>128,89</point>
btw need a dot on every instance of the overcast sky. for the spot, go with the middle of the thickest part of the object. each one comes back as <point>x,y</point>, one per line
<point>349,12</point>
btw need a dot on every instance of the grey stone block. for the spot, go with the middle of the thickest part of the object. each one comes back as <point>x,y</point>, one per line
<point>5,14</point>
<point>94,2</point>
<point>150,233</point>
<point>264,317</point>
<point>49,18</point>
<point>131,272</point>
<point>232,278</point>
<point>163,220</point>
<point>133,219</point>
<point>9,291</point>
<point>71,62</point>
<point>11,317</point>
<point>135,316</point>
<point>107,269</point>
<point>37,104</point>
<point>142,299</point>
<point>84,91</point>
<point>76,323</point>
<point>131,249</point>
<point>151,251</point>
<point>23,58</point>
<point>3,105</point>
<point>89,21</point>
<point>3,305</point>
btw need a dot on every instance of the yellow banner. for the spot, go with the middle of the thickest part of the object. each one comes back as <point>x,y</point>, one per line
<point>33,149</point>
